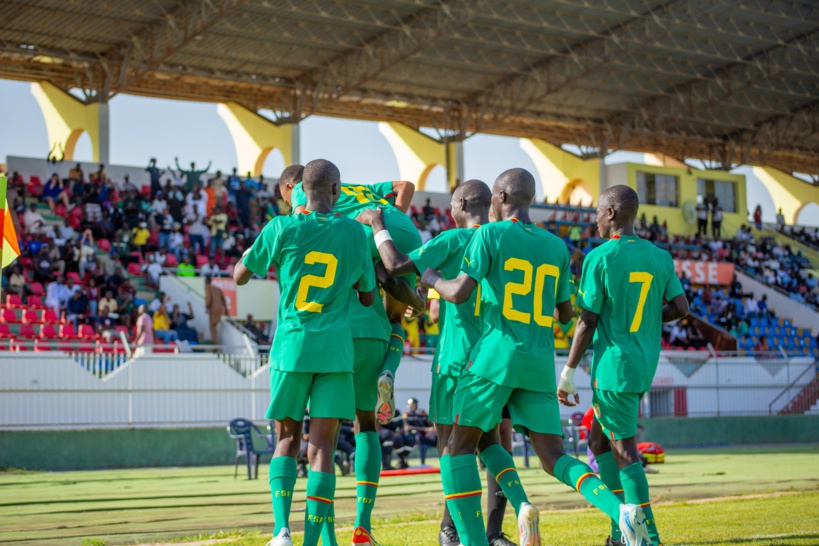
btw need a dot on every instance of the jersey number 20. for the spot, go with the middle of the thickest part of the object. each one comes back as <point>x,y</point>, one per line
<point>524,288</point>
<point>323,281</point>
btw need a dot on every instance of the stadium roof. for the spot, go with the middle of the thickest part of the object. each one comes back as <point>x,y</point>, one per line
<point>730,81</point>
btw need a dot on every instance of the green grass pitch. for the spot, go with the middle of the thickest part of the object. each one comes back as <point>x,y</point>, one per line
<point>766,495</point>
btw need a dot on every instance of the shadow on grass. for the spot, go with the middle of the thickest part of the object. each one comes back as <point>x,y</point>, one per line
<point>782,540</point>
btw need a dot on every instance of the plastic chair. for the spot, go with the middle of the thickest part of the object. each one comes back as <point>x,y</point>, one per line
<point>201,260</point>
<point>87,332</point>
<point>67,331</point>
<point>170,260</point>
<point>104,245</point>
<point>242,430</point>
<point>13,301</point>
<point>37,289</point>
<point>26,331</point>
<point>9,317</point>
<point>35,302</point>
<point>5,331</point>
<point>74,276</point>
<point>134,269</point>
<point>50,317</point>
<point>47,331</point>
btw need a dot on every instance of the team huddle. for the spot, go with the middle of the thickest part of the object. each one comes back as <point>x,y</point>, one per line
<point>503,284</point>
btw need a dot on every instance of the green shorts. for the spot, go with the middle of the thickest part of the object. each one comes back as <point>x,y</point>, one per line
<point>368,360</point>
<point>404,234</point>
<point>327,393</point>
<point>479,403</point>
<point>617,412</point>
<point>441,399</point>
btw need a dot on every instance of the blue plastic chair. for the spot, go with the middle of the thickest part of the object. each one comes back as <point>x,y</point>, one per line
<point>243,430</point>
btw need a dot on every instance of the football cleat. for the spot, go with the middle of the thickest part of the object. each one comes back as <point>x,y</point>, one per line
<point>385,406</point>
<point>500,540</point>
<point>529,525</point>
<point>448,536</point>
<point>282,539</point>
<point>633,526</point>
<point>611,542</point>
<point>362,537</point>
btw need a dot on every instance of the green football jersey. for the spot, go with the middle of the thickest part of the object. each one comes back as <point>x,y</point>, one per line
<point>525,274</point>
<point>460,324</point>
<point>353,198</point>
<point>625,281</point>
<point>320,258</point>
<point>369,322</point>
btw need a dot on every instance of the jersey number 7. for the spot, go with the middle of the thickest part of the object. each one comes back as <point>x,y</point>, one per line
<point>645,281</point>
<point>323,281</point>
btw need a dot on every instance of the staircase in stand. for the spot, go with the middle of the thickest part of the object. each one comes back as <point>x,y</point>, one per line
<point>806,402</point>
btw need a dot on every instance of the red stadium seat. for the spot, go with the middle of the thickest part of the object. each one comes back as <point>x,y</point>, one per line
<point>104,245</point>
<point>201,260</point>
<point>49,317</point>
<point>47,331</point>
<point>73,275</point>
<point>5,331</point>
<point>67,331</point>
<point>171,261</point>
<point>30,317</point>
<point>27,331</point>
<point>133,269</point>
<point>13,301</point>
<point>35,302</point>
<point>9,316</point>
<point>87,332</point>
<point>136,257</point>
<point>36,289</point>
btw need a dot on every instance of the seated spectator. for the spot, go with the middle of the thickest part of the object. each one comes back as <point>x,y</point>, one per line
<point>153,270</point>
<point>55,191</point>
<point>43,271</point>
<point>218,227</point>
<point>186,268</point>
<point>391,441</point>
<point>418,429</point>
<point>160,300</point>
<point>751,307</point>
<point>162,325</point>
<point>144,327</point>
<point>127,309</point>
<point>57,295</point>
<point>88,253</point>
<point>17,282</point>
<point>695,337</point>
<point>107,327</point>
<point>34,221</point>
<point>429,211</point>
<point>679,335</point>
<point>255,331</point>
<point>179,322</point>
<point>77,309</point>
<point>108,305</point>
<point>210,269</point>
<point>762,345</point>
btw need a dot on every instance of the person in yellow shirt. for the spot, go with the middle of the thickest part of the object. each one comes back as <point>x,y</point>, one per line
<point>162,325</point>
<point>141,234</point>
<point>410,325</point>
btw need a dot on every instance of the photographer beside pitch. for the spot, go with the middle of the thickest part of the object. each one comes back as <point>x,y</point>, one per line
<point>622,290</point>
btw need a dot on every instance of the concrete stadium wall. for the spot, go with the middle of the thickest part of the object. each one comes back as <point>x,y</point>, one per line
<point>133,448</point>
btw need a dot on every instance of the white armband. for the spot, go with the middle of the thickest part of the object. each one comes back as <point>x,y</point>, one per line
<point>381,237</point>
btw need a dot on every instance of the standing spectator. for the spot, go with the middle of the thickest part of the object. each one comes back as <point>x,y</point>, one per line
<point>176,202</point>
<point>233,185</point>
<point>576,233</point>
<point>216,191</point>
<point>197,202</point>
<point>216,306</point>
<point>159,206</point>
<point>165,223</point>
<point>155,175</point>
<point>429,212</point>
<point>144,328</point>
<point>176,242</point>
<point>192,177</point>
<point>76,173</point>
<point>196,233</point>
<point>702,218</point>
<point>153,270</point>
<point>162,325</point>
<point>426,235</point>
<point>758,217</point>
<point>179,322</point>
<point>139,241</point>
<point>218,227</point>
<point>716,220</point>
<point>242,197</point>
<point>780,220</point>
<point>160,300</point>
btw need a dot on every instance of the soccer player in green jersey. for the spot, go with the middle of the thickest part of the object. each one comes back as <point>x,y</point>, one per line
<point>321,258</point>
<point>460,330</point>
<point>622,291</point>
<point>395,198</point>
<point>524,275</point>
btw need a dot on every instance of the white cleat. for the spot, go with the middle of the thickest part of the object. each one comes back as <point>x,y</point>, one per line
<point>385,406</point>
<point>529,525</point>
<point>282,539</point>
<point>633,526</point>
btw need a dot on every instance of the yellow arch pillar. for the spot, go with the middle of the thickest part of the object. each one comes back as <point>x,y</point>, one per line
<point>66,117</point>
<point>789,193</point>
<point>255,136</point>
<point>417,154</point>
<point>560,172</point>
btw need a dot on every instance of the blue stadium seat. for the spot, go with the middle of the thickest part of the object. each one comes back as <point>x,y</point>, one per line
<point>764,321</point>
<point>766,330</point>
<point>786,322</point>
<point>754,321</point>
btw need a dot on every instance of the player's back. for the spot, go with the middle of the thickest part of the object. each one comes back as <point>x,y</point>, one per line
<point>354,198</point>
<point>320,258</point>
<point>527,275</point>
<point>625,281</point>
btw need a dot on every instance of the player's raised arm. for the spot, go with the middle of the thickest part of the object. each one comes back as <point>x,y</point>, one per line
<point>404,191</point>
<point>396,263</point>
<point>456,290</point>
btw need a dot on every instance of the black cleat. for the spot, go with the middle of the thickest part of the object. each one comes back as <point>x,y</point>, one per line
<point>448,536</point>
<point>611,542</point>
<point>500,540</point>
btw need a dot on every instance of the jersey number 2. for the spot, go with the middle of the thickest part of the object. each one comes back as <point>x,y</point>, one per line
<point>525,287</point>
<point>323,281</point>
<point>645,283</point>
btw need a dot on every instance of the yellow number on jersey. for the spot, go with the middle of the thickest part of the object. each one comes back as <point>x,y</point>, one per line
<point>363,194</point>
<point>645,280</point>
<point>523,289</point>
<point>323,281</point>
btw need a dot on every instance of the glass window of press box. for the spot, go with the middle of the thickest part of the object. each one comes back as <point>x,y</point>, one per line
<point>721,190</point>
<point>657,189</point>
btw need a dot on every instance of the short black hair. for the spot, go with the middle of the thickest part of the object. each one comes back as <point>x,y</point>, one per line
<point>291,175</point>
<point>320,175</point>
<point>518,184</point>
<point>622,199</point>
<point>476,194</point>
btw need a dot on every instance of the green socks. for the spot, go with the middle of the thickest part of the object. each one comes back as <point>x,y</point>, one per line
<point>321,488</point>
<point>579,476</point>
<point>396,349</point>
<point>328,532</point>
<point>500,464</point>
<point>635,486</point>
<point>282,477</point>
<point>610,474</point>
<point>367,472</point>
<point>464,499</point>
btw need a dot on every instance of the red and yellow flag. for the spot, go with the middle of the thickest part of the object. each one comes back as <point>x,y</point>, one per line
<point>10,248</point>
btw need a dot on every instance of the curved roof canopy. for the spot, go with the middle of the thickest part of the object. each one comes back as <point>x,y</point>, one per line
<point>728,81</point>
